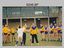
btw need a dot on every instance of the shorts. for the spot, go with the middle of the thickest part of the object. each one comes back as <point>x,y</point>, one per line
<point>46,32</point>
<point>41,31</point>
<point>51,32</point>
<point>55,33</point>
<point>31,34</point>
<point>13,33</point>
<point>59,31</point>
<point>8,34</point>
<point>5,33</point>
<point>20,35</point>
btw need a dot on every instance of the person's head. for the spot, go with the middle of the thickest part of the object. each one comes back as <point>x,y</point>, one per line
<point>45,25</point>
<point>59,23</point>
<point>51,24</point>
<point>40,24</point>
<point>33,24</point>
<point>19,26</point>
<point>25,25</point>
<point>54,24</point>
<point>12,27</point>
<point>5,25</point>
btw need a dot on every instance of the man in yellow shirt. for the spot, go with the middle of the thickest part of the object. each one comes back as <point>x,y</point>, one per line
<point>5,29</point>
<point>34,31</point>
<point>51,31</point>
<point>13,33</point>
<point>24,34</point>
<point>59,29</point>
<point>42,31</point>
<point>55,31</point>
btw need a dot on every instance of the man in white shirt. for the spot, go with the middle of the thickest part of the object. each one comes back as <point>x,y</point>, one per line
<point>20,34</point>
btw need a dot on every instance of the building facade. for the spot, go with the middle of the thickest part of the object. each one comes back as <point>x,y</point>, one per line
<point>14,16</point>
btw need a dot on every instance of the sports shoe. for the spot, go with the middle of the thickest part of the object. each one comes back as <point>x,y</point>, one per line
<point>37,43</point>
<point>15,45</point>
<point>3,42</point>
<point>30,39</point>
<point>42,40</point>
<point>32,44</point>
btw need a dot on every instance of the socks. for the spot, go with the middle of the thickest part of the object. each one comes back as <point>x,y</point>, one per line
<point>16,42</point>
<point>21,43</point>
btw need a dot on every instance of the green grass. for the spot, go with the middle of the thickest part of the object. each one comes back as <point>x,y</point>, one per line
<point>28,42</point>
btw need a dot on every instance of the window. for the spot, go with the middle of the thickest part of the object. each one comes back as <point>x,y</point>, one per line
<point>4,11</point>
<point>27,11</point>
<point>41,11</point>
<point>13,10</point>
<point>53,10</point>
<point>9,12</point>
<point>17,10</point>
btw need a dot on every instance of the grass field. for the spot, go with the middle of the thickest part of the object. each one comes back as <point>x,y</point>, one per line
<point>28,42</point>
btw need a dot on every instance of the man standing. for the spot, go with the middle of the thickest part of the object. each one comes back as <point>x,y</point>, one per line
<point>34,31</point>
<point>20,34</point>
<point>13,33</point>
<point>5,29</point>
<point>24,34</point>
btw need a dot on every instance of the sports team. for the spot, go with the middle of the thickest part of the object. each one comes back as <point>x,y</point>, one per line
<point>54,31</point>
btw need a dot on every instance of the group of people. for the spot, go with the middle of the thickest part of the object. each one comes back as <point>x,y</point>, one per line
<point>54,30</point>
<point>6,33</point>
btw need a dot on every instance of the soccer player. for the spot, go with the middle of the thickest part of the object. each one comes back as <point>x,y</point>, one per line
<point>46,32</point>
<point>20,34</point>
<point>24,34</point>
<point>13,33</point>
<point>61,32</point>
<point>42,31</point>
<point>55,32</point>
<point>59,29</point>
<point>8,34</point>
<point>34,31</point>
<point>5,33</point>
<point>51,31</point>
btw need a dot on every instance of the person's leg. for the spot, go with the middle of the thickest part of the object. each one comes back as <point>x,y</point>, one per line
<point>61,36</point>
<point>9,38</point>
<point>6,38</point>
<point>57,36</point>
<point>45,37</point>
<point>42,36</point>
<point>21,41</point>
<point>12,38</point>
<point>3,38</point>
<point>17,41</point>
<point>32,39</point>
<point>36,38</point>
<point>48,37</point>
<point>51,37</point>
<point>24,38</point>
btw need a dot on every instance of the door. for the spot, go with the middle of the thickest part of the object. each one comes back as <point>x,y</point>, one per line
<point>52,20</point>
<point>38,23</point>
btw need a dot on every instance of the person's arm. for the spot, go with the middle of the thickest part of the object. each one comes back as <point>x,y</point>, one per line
<point>37,30</point>
<point>56,27</point>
